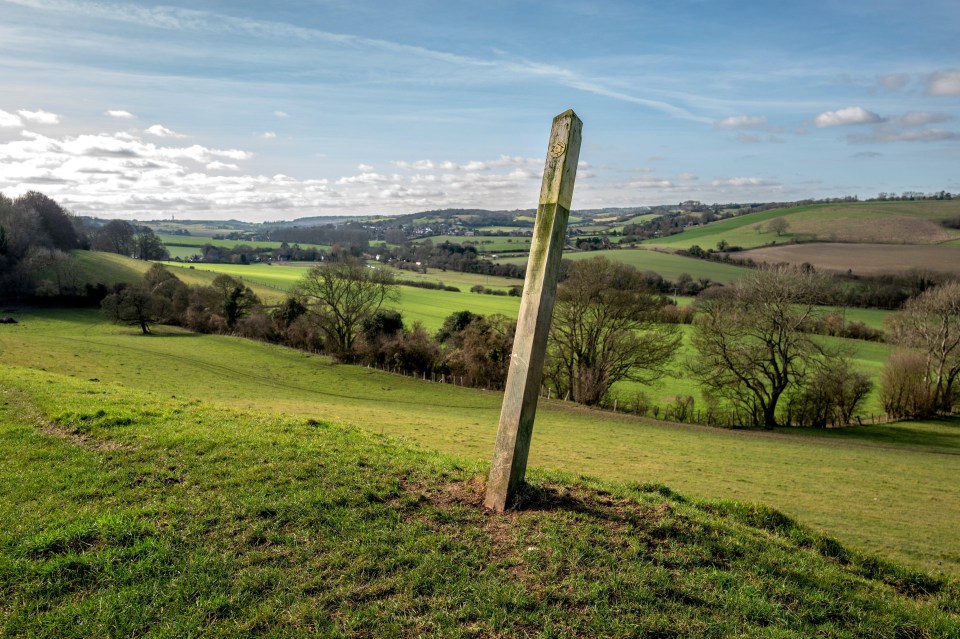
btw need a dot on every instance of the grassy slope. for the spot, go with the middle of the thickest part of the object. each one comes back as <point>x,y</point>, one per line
<point>667,265</point>
<point>889,489</point>
<point>823,220</point>
<point>131,513</point>
<point>110,268</point>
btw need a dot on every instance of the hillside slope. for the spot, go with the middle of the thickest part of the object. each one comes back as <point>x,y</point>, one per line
<point>908,222</point>
<point>127,513</point>
<point>890,489</point>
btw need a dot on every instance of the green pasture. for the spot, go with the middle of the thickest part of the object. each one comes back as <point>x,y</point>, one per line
<point>869,357</point>
<point>817,221</point>
<point>483,243</point>
<point>127,511</point>
<point>888,489</point>
<point>186,241</point>
<point>463,281</point>
<point>110,268</point>
<point>668,265</point>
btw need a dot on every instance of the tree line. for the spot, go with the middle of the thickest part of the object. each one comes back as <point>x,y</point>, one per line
<point>36,237</point>
<point>752,352</point>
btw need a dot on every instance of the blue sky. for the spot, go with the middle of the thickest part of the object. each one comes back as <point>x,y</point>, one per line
<point>266,111</point>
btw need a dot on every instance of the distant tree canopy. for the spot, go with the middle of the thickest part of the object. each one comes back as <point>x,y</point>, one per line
<point>124,238</point>
<point>36,237</point>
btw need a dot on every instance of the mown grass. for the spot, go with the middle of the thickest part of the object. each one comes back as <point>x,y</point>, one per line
<point>890,489</point>
<point>132,513</point>
<point>669,266</point>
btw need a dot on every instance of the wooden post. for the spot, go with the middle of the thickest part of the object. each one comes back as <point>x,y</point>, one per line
<point>536,311</point>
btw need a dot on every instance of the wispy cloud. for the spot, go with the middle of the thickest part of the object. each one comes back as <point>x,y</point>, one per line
<point>741,122</point>
<point>39,117</point>
<point>881,135</point>
<point>944,82</point>
<point>120,114</point>
<point>179,19</point>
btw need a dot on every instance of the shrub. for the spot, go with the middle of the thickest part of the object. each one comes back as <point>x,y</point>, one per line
<point>905,386</point>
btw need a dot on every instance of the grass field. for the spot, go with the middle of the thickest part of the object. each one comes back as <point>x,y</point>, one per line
<point>868,357</point>
<point>428,306</point>
<point>485,244</point>
<point>867,222</point>
<point>669,266</point>
<point>197,241</point>
<point>887,489</point>
<point>863,259</point>
<point>127,512</point>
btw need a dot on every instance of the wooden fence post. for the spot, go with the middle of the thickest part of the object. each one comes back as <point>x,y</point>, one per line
<point>536,311</point>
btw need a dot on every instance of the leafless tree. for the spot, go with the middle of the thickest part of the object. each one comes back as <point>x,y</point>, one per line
<point>604,330</point>
<point>749,340</point>
<point>341,295</point>
<point>930,324</point>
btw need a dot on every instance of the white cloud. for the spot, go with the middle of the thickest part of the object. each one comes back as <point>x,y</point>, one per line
<point>268,135</point>
<point>945,82</point>
<point>364,168</point>
<point>163,132</point>
<point>364,178</point>
<point>920,118</point>
<point>850,115</point>
<point>741,122</point>
<point>120,114</point>
<point>281,114</point>
<point>222,166</point>
<point>39,116</point>
<point>9,120</point>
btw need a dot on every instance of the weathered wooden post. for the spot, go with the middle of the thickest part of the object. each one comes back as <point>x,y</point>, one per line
<point>536,310</point>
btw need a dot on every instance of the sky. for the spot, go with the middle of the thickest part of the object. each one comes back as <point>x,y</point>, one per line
<point>276,110</point>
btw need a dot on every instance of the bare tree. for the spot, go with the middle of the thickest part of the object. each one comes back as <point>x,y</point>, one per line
<point>778,225</point>
<point>749,340</point>
<point>604,330</point>
<point>343,294</point>
<point>930,323</point>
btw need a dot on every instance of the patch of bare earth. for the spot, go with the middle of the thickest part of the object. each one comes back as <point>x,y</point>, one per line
<point>514,532</point>
<point>862,259</point>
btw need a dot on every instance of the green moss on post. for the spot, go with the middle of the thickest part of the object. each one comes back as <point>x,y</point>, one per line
<point>536,310</point>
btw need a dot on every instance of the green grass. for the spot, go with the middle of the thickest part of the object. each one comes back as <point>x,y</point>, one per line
<point>856,221</point>
<point>194,241</point>
<point>128,512</point>
<point>890,490</point>
<point>485,244</point>
<point>669,266</point>
<point>868,357</point>
<point>428,306</point>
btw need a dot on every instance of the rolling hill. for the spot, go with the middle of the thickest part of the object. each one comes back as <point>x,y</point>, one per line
<point>136,501</point>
